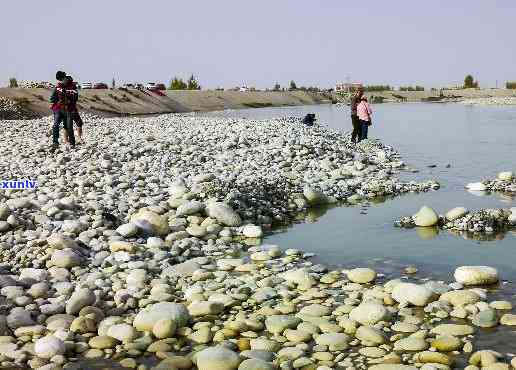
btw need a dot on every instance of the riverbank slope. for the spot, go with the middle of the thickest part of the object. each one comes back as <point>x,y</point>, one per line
<point>134,102</point>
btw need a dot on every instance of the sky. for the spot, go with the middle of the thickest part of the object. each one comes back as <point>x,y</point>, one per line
<point>232,43</point>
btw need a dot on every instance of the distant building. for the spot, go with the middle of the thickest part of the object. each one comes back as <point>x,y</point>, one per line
<point>347,87</point>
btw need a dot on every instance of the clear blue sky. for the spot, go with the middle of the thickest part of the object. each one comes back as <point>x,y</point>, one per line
<point>230,42</point>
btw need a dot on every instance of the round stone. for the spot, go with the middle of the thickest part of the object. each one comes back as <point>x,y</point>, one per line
<point>456,213</point>
<point>149,316</point>
<point>426,216</point>
<point>418,295</point>
<point>49,346</point>
<point>446,343</point>
<point>361,275</point>
<point>368,313</point>
<point>476,275</point>
<point>217,358</point>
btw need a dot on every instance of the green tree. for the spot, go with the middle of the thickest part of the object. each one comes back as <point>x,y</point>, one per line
<point>193,84</point>
<point>469,82</point>
<point>13,82</point>
<point>292,86</point>
<point>177,84</point>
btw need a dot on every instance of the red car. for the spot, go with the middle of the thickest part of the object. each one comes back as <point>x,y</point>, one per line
<point>160,87</point>
<point>100,85</point>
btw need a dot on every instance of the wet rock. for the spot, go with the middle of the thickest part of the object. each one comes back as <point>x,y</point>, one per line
<point>476,275</point>
<point>426,216</point>
<point>361,275</point>
<point>418,295</point>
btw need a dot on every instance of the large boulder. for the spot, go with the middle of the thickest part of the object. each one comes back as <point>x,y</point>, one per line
<point>150,315</point>
<point>426,216</point>
<point>223,213</point>
<point>151,222</point>
<point>476,275</point>
<point>417,295</point>
<point>314,197</point>
<point>217,358</point>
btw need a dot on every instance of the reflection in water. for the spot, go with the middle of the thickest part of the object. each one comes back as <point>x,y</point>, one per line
<point>427,233</point>
<point>482,237</point>
<point>478,193</point>
<point>507,197</point>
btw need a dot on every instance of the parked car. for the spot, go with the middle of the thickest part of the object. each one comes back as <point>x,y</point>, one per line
<point>160,86</point>
<point>100,85</point>
<point>86,85</point>
<point>129,86</point>
<point>150,86</point>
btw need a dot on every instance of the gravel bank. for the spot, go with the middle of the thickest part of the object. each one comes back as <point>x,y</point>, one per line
<point>137,244</point>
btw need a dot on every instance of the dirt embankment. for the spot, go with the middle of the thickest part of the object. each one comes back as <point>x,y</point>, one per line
<point>441,96</point>
<point>135,102</point>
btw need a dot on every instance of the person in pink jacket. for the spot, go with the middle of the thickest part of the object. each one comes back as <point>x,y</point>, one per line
<point>364,113</point>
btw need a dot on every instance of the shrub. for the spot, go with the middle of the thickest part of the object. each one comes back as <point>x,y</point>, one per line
<point>411,88</point>
<point>510,85</point>
<point>13,82</point>
<point>469,82</point>
<point>372,88</point>
<point>177,84</point>
<point>193,84</point>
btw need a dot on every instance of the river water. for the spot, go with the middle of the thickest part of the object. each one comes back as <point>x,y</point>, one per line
<point>464,143</point>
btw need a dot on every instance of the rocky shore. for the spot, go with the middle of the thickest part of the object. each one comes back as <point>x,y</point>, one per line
<point>10,109</point>
<point>460,219</point>
<point>144,243</point>
<point>505,182</point>
<point>493,100</point>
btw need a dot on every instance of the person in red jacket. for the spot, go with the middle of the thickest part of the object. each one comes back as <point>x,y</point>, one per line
<point>74,113</point>
<point>63,100</point>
